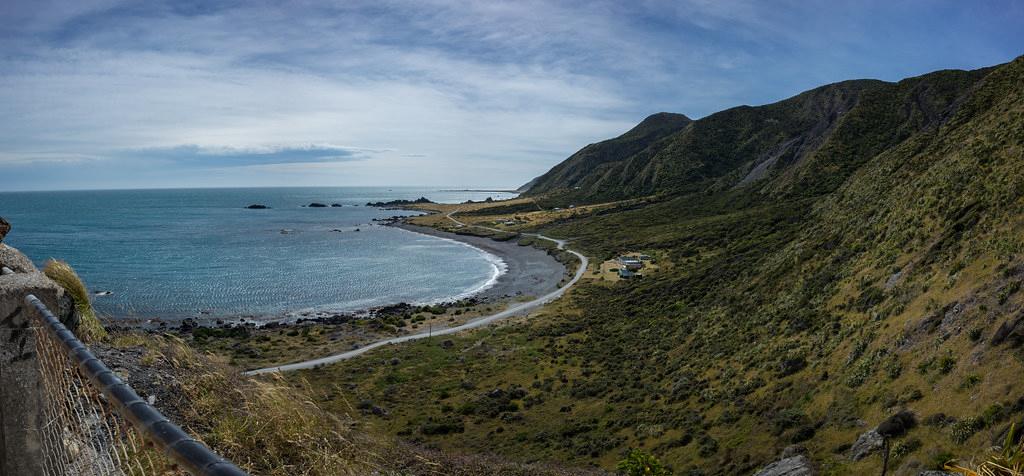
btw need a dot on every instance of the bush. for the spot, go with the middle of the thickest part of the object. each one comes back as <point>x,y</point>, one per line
<point>897,425</point>
<point>964,429</point>
<point>904,447</point>
<point>946,365</point>
<point>442,426</point>
<point>638,463</point>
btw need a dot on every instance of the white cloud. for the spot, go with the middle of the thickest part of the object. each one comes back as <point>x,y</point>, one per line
<point>442,91</point>
<point>209,86</point>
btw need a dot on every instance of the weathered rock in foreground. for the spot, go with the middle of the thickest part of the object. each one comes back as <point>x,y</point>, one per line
<point>13,259</point>
<point>795,466</point>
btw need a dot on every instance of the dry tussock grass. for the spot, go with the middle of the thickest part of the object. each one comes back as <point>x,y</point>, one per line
<point>89,328</point>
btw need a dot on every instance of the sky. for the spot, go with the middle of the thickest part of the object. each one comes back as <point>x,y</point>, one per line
<point>98,94</point>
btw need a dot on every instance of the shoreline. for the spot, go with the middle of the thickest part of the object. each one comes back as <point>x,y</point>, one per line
<point>515,309</point>
<point>521,271</point>
<point>529,271</point>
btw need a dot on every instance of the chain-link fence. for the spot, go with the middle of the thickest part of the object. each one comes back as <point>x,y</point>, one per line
<point>96,425</point>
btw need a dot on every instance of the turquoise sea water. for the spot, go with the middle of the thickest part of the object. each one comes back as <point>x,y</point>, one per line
<point>200,253</point>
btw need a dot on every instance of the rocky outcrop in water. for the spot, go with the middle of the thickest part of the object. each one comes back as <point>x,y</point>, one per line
<point>4,228</point>
<point>317,205</point>
<point>257,206</point>
<point>398,203</point>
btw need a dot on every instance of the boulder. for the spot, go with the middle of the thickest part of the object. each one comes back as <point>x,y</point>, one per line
<point>4,228</point>
<point>12,258</point>
<point>798,465</point>
<point>868,442</point>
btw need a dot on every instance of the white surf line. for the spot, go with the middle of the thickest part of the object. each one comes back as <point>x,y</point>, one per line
<point>473,324</point>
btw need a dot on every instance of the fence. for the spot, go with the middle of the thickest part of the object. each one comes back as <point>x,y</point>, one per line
<point>93,423</point>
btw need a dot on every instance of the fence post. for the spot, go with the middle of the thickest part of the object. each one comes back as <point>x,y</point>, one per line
<point>21,390</point>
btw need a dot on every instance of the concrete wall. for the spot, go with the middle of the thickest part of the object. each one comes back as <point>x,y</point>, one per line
<point>21,392</point>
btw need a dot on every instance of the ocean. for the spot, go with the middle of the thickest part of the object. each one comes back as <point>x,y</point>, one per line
<point>173,254</point>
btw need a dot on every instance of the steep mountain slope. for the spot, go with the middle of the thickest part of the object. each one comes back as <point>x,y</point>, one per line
<point>596,161</point>
<point>828,130</point>
<point>875,266</point>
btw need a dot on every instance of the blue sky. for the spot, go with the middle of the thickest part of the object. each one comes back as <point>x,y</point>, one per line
<point>137,94</point>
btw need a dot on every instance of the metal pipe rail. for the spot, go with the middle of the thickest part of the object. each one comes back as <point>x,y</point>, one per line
<point>191,455</point>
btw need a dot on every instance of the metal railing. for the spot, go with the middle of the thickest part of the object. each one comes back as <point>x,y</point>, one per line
<point>95,423</point>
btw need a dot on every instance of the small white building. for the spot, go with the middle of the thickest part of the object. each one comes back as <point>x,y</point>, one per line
<point>631,263</point>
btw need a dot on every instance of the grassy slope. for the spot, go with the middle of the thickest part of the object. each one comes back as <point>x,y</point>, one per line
<point>866,277</point>
<point>271,427</point>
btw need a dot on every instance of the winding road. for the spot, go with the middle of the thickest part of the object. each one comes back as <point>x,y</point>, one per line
<point>515,310</point>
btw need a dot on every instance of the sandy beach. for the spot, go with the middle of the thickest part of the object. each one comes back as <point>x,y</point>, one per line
<point>530,271</point>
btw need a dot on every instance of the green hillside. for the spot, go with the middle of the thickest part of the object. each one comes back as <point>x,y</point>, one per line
<point>829,261</point>
<point>814,140</point>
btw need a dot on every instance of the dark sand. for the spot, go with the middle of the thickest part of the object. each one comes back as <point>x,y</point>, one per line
<point>530,271</point>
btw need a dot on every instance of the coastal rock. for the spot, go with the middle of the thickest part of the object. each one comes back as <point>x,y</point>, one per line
<point>317,205</point>
<point>335,205</point>
<point>12,258</point>
<point>395,203</point>
<point>5,227</point>
<point>868,442</point>
<point>257,206</point>
<point>795,466</point>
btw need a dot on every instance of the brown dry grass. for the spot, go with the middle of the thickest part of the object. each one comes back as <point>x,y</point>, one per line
<point>89,328</point>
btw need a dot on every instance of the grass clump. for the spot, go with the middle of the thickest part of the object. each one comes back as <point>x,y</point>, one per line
<point>964,429</point>
<point>89,327</point>
<point>638,463</point>
<point>1005,460</point>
